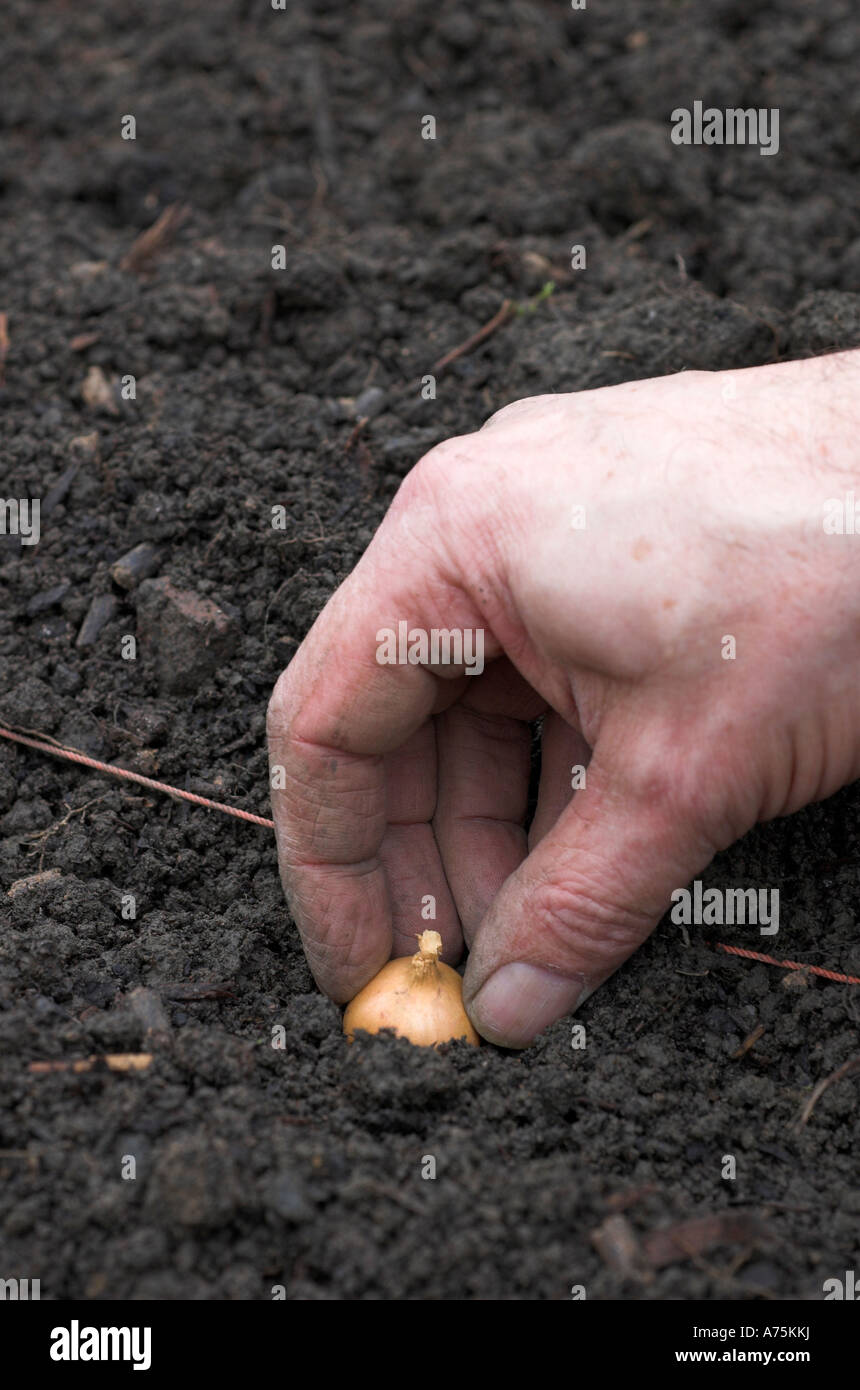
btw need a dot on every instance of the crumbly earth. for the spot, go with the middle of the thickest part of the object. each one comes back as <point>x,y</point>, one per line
<point>301,1166</point>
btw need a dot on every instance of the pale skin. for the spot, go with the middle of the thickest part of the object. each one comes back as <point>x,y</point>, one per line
<point>703,497</point>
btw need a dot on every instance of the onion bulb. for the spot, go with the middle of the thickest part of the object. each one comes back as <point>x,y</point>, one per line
<point>419,997</point>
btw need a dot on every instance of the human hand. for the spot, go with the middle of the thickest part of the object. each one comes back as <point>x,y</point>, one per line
<point>608,544</point>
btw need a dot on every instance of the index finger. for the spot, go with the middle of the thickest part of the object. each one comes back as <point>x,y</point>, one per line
<point>335,713</point>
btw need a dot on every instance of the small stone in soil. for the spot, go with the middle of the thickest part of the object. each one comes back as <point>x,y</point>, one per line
<point>136,565</point>
<point>99,613</point>
<point>48,598</point>
<point>191,636</point>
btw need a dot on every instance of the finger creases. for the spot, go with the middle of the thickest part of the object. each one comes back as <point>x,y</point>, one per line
<point>353,769</point>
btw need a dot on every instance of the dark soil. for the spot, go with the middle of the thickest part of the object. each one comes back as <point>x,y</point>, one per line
<point>301,1167</point>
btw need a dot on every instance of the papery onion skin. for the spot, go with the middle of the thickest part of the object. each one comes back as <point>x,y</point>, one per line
<point>419,997</point>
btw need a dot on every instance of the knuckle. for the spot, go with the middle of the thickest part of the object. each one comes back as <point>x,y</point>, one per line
<point>443,466</point>
<point>676,778</point>
<point>653,770</point>
<point>515,410</point>
<point>438,494</point>
<point>657,783</point>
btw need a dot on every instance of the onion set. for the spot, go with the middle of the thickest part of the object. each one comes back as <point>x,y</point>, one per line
<point>419,997</point>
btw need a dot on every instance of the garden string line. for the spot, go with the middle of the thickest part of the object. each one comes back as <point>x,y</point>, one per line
<point>73,756</point>
<point>59,750</point>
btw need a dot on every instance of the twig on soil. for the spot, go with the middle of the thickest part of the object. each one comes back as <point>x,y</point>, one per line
<point>510,308</point>
<point>636,1257</point>
<point>637,231</point>
<point>852,1065</point>
<point>355,432</point>
<point>507,311</point>
<point>322,537</point>
<point>50,830</point>
<point>241,742</point>
<point>748,1042</point>
<point>82,341</point>
<point>365,458</point>
<point>216,540</point>
<point>154,240</point>
<point>114,1061</point>
<point>36,733</point>
<point>689,1239</point>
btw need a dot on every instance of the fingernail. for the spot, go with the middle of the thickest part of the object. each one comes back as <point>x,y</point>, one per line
<point>520,1000</point>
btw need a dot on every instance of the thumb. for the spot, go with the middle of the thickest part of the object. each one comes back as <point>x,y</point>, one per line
<point>580,904</point>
